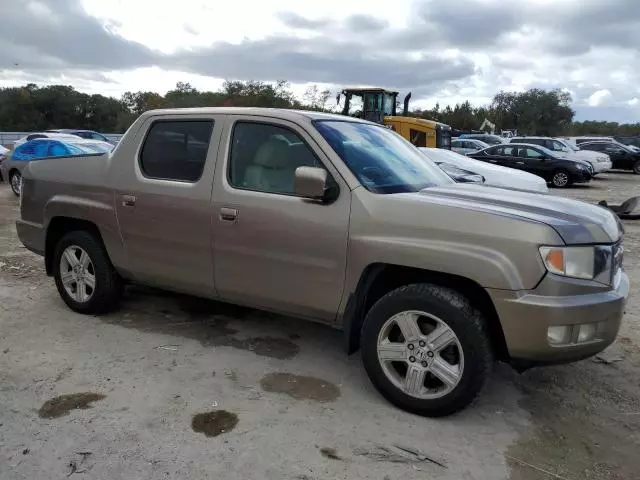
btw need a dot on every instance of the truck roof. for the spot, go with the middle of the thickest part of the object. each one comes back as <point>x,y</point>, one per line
<point>284,113</point>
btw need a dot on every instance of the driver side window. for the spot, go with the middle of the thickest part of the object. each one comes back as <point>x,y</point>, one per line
<point>264,158</point>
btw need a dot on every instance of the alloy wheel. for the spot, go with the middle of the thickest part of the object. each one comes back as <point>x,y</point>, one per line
<point>420,354</point>
<point>77,274</point>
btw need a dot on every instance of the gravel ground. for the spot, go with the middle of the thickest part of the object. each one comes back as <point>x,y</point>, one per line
<point>176,387</point>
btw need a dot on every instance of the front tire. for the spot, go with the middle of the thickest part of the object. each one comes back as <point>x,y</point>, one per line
<point>15,180</point>
<point>426,349</point>
<point>636,168</point>
<point>84,276</point>
<point>561,179</point>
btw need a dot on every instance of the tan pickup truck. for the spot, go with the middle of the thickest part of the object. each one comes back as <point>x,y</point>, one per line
<point>339,221</point>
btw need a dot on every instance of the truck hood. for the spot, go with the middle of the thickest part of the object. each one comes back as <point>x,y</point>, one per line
<point>575,221</point>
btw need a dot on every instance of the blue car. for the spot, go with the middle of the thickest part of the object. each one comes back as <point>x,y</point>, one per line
<point>40,148</point>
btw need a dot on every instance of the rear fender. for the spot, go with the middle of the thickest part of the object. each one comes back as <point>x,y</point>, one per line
<point>98,211</point>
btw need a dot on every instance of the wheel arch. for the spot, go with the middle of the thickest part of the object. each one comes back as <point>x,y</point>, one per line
<point>378,279</point>
<point>60,226</point>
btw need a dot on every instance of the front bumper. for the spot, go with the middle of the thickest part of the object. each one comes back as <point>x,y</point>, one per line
<point>601,167</point>
<point>526,316</point>
<point>582,176</point>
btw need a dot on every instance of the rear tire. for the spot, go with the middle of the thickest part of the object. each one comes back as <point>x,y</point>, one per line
<point>561,178</point>
<point>636,168</point>
<point>15,178</point>
<point>93,289</point>
<point>438,381</point>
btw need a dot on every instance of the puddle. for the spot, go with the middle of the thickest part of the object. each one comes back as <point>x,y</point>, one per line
<point>62,405</point>
<point>300,387</point>
<point>205,321</point>
<point>214,423</point>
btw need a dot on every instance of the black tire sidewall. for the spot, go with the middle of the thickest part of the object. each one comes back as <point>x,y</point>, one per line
<point>106,289</point>
<point>478,357</point>
<point>636,167</point>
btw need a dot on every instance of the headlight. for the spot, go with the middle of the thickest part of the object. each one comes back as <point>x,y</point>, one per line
<point>593,262</point>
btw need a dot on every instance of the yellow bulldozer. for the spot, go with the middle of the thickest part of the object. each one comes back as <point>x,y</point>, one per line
<point>380,106</point>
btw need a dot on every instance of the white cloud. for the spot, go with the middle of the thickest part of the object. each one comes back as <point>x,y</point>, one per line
<point>600,98</point>
<point>444,52</point>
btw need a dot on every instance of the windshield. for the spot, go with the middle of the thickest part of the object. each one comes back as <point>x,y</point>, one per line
<point>388,103</point>
<point>382,161</point>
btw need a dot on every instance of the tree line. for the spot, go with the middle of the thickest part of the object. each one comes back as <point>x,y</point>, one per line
<point>32,108</point>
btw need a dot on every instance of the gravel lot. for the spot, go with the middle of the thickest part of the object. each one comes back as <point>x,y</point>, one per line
<point>176,387</point>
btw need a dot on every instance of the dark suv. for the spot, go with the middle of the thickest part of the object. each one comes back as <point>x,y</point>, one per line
<point>622,157</point>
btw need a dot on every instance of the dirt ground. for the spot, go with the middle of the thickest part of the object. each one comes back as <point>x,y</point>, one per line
<point>176,387</point>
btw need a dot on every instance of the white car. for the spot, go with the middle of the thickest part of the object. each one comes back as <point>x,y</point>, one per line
<point>598,160</point>
<point>494,175</point>
<point>57,136</point>
<point>467,145</point>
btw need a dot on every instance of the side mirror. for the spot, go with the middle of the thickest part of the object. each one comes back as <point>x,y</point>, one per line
<point>310,182</point>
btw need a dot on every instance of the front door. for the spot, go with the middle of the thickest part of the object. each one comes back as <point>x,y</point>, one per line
<point>272,249</point>
<point>163,203</point>
<point>536,162</point>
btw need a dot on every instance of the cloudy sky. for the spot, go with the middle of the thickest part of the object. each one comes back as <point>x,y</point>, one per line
<point>441,50</point>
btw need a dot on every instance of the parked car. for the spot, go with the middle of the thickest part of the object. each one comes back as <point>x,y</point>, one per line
<point>87,134</point>
<point>3,156</point>
<point>484,137</point>
<point>33,136</point>
<point>555,169</point>
<point>458,174</point>
<point>40,148</point>
<point>622,157</point>
<point>633,141</point>
<point>343,223</point>
<point>467,145</point>
<point>599,161</point>
<point>494,175</point>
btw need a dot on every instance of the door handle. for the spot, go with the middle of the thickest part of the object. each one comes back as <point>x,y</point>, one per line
<point>228,214</point>
<point>128,200</point>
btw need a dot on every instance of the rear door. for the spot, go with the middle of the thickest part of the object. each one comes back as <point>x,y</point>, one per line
<point>163,202</point>
<point>506,156</point>
<point>489,155</point>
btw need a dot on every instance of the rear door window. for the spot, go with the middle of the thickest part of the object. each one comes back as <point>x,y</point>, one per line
<point>176,149</point>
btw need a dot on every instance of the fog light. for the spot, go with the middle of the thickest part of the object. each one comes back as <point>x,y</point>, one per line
<point>587,332</point>
<point>559,334</point>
